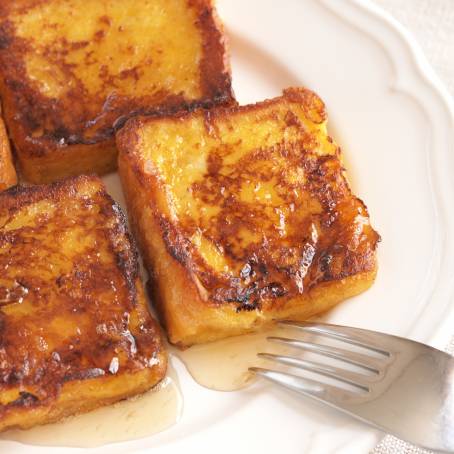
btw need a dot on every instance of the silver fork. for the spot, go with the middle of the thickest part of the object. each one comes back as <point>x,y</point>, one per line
<point>407,389</point>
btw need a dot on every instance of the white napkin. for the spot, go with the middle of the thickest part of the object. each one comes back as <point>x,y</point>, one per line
<point>432,24</point>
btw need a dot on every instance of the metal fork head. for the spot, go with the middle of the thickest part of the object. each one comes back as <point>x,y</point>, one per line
<point>407,388</point>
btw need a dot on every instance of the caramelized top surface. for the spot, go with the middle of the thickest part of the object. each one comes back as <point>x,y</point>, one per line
<point>69,305</point>
<point>253,199</point>
<point>80,66</point>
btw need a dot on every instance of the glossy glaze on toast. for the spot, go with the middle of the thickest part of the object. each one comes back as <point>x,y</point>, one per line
<point>75,331</point>
<point>73,71</point>
<point>244,216</point>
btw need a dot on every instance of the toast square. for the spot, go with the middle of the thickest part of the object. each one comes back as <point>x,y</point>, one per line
<point>75,332</point>
<point>8,175</point>
<point>72,72</point>
<point>244,216</point>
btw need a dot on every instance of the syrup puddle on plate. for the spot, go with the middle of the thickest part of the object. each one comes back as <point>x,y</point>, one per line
<point>138,417</point>
<point>223,365</point>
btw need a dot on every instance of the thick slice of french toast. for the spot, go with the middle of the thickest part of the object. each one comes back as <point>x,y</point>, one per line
<point>72,72</point>
<point>8,175</point>
<point>244,216</point>
<point>75,331</point>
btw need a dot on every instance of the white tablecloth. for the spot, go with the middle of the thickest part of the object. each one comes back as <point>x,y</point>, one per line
<point>432,24</point>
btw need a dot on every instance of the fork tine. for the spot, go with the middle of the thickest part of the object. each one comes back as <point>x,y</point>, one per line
<point>357,359</point>
<point>320,391</point>
<point>353,336</point>
<point>339,374</point>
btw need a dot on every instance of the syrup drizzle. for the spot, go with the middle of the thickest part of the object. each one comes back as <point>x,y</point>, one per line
<point>223,365</point>
<point>138,417</point>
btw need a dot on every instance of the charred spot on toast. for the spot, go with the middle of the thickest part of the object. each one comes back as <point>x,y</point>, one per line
<point>25,399</point>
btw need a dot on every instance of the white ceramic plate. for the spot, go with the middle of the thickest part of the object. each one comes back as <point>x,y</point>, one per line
<point>396,126</point>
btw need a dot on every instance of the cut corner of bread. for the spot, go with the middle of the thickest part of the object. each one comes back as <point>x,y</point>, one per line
<point>66,90</point>
<point>75,331</point>
<point>244,216</point>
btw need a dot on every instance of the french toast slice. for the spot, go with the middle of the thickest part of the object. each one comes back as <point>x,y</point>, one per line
<point>244,216</point>
<point>75,331</point>
<point>73,71</point>
<point>8,175</point>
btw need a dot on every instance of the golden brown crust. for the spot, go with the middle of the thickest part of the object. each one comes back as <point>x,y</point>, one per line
<point>75,331</point>
<point>291,254</point>
<point>8,175</point>
<point>76,104</point>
